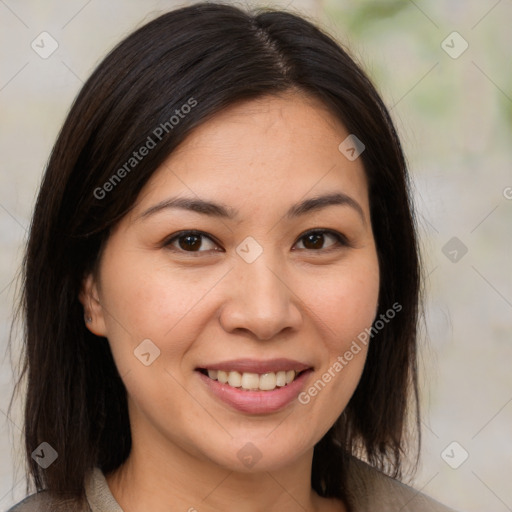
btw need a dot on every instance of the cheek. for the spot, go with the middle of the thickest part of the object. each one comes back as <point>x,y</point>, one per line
<point>155,302</point>
<point>345,302</point>
<point>165,306</point>
<point>343,308</point>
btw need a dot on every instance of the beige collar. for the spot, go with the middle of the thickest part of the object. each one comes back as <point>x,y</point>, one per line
<point>370,490</point>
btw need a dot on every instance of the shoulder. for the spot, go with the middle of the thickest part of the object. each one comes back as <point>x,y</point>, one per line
<point>34,503</point>
<point>373,490</point>
<point>97,498</point>
<point>44,502</point>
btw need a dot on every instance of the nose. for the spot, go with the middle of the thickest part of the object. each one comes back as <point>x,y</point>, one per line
<point>261,302</point>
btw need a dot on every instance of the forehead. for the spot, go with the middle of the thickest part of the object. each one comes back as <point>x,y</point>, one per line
<point>274,149</point>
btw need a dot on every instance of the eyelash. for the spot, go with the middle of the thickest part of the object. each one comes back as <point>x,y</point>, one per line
<point>340,241</point>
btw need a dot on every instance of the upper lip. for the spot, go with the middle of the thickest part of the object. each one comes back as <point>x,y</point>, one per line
<point>257,366</point>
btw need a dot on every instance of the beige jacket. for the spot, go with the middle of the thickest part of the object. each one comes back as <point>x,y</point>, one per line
<point>372,492</point>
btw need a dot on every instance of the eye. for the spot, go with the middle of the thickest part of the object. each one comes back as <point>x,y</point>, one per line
<point>319,239</point>
<point>192,241</point>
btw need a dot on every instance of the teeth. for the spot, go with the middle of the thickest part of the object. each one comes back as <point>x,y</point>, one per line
<point>235,379</point>
<point>253,381</point>
<point>250,380</point>
<point>280,379</point>
<point>268,381</point>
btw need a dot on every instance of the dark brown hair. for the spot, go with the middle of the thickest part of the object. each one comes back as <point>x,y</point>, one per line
<point>218,55</point>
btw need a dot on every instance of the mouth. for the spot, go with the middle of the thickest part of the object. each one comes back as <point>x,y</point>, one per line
<point>256,387</point>
<point>249,381</point>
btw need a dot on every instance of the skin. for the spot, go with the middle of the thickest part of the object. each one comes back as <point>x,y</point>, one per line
<point>296,301</point>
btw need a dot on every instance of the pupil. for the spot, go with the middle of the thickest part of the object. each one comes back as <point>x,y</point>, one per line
<point>190,242</point>
<point>314,241</point>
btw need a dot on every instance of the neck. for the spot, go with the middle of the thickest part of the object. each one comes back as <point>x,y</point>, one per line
<point>172,479</point>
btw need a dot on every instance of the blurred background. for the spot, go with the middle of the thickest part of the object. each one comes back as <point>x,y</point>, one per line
<point>445,71</point>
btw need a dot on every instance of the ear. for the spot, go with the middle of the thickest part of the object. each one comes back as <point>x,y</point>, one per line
<point>94,317</point>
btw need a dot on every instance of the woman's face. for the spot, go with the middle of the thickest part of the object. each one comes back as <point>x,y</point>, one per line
<point>249,254</point>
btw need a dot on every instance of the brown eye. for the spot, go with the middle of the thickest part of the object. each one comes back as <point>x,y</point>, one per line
<point>314,241</point>
<point>321,239</point>
<point>190,241</point>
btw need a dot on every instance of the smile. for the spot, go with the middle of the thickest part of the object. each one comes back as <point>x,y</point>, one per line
<point>255,386</point>
<point>253,381</point>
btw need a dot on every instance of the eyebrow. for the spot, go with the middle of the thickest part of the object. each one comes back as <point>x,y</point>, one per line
<point>222,211</point>
<point>320,202</point>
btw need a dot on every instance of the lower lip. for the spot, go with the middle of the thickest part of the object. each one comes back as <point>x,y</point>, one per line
<point>256,402</point>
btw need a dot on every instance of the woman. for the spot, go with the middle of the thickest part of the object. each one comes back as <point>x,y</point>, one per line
<point>221,281</point>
